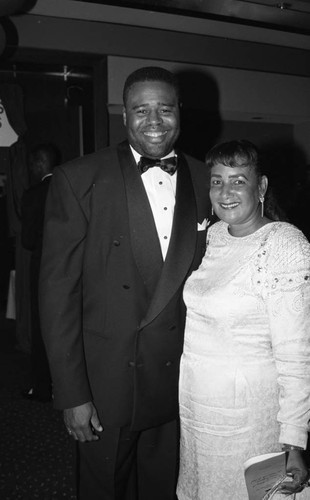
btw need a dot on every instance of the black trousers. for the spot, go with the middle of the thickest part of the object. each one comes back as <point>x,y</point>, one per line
<point>41,377</point>
<point>126,465</point>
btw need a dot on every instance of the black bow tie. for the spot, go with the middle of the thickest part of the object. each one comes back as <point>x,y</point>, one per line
<point>169,165</point>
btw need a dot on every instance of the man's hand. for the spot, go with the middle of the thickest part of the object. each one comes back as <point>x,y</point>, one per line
<point>81,422</point>
<point>296,467</point>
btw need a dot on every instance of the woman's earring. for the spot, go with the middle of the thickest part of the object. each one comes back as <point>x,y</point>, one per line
<point>262,199</point>
<point>212,211</point>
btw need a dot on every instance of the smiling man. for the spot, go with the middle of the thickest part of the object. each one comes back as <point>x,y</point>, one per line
<point>120,239</point>
<point>151,115</point>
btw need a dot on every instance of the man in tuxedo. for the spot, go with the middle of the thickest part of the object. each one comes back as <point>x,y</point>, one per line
<point>42,160</point>
<point>122,233</point>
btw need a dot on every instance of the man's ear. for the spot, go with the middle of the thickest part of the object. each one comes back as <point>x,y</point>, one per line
<point>124,116</point>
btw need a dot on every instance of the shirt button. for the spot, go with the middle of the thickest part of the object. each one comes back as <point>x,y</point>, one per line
<point>126,287</point>
<point>160,182</point>
<point>169,363</point>
<point>165,237</point>
<point>116,243</point>
<point>165,208</point>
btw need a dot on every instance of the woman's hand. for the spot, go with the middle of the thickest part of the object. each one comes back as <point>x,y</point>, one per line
<point>297,468</point>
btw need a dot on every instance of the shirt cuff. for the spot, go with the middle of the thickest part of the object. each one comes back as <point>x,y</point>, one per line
<point>293,435</point>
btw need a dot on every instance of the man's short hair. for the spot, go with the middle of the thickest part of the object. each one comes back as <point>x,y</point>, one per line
<point>50,153</point>
<point>151,74</point>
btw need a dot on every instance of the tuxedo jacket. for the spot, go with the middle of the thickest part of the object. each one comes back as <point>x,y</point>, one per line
<point>111,309</point>
<point>32,221</point>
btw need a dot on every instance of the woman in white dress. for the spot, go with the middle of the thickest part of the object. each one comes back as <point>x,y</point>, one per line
<point>245,370</point>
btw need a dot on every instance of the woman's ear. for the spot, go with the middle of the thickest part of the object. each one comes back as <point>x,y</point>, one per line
<point>263,186</point>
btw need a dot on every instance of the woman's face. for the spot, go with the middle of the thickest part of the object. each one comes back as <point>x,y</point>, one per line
<point>234,194</point>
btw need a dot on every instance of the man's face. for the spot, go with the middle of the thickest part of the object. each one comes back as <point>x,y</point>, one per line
<point>35,168</point>
<point>152,119</point>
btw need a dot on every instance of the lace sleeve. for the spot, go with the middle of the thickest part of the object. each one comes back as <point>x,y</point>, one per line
<point>288,304</point>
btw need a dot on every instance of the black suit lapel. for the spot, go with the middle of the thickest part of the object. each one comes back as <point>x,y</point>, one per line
<point>144,239</point>
<point>182,243</point>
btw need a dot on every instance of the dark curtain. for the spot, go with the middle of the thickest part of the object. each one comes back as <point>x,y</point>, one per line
<point>17,181</point>
<point>17,173</point>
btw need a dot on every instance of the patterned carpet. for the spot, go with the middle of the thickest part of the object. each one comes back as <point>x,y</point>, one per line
<point>36,454</point>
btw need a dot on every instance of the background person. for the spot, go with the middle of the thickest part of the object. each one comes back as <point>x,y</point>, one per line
<point>119,243</point>
<point>245,369</point>
<point>42,160</point>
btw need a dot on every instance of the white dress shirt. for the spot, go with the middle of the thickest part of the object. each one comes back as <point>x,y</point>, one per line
<point>160,189</point>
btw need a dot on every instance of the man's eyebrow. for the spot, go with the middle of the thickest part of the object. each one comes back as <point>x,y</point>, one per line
<point>139,106</point>
<point>147,104</point>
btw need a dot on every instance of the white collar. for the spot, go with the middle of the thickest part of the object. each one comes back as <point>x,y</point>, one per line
<point>46,175</point>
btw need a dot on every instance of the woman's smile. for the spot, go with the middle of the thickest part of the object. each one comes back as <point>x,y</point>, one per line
<point>229,206</point>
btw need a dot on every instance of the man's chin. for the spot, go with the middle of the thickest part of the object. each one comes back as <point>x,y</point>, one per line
<point>156,150</point>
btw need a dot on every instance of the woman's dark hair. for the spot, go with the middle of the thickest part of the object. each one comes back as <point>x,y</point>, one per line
<point>242,153</point>
<point>151,74</point>
<point>239,153</point>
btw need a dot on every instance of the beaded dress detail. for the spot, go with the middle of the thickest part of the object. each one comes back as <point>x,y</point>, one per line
<point>242,392</point>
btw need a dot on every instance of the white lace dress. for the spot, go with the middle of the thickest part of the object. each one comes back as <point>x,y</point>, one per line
<point>245,370</point>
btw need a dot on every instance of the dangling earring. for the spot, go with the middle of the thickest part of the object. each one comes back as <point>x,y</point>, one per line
<point>212,211</point>
<point>262,199</point>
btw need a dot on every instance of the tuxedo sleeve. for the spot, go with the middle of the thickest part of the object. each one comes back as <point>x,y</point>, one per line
<point>61,291</point>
